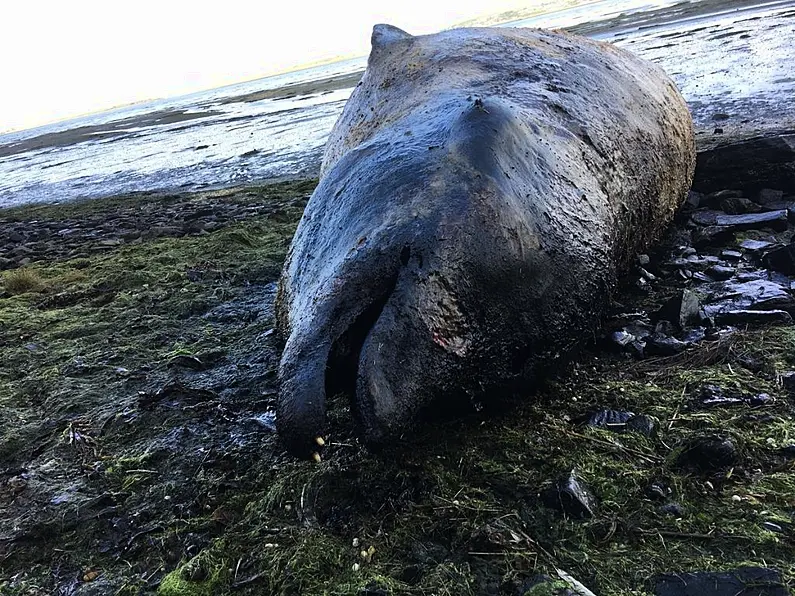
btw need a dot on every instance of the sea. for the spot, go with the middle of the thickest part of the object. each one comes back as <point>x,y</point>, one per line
<point>216,140</point>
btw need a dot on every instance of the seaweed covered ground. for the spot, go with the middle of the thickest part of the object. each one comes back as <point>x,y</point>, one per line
<point>138,453</point>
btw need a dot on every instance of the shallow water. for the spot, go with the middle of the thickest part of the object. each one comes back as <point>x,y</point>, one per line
<point>733,61</point>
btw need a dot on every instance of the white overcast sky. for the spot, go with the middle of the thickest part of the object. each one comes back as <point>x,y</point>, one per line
<point>60,58</point>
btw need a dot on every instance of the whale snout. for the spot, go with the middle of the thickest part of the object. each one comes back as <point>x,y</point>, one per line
<point>393,355</point>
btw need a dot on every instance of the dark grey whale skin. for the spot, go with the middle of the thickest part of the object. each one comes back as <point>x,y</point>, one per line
<point>479,197</point>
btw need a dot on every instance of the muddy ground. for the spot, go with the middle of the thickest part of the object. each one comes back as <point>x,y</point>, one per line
<point>138,454</point>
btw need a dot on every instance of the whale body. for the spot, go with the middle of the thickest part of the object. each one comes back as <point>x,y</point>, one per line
<point>480,196</point>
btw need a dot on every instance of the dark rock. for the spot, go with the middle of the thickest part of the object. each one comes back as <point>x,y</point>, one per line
<point>788,381</point>
<point>753,317</point>
<point>766,161</point>
<point>15,236</point>
<point>373,589</point>
<point>708,453</point>
<point>694,200</point>
<point>719,195</point>
<point>739,206</point>
<point>706,217</point>
<point>762,399</point>
<point>755,294</point>
<point>755,246</point>
<point>570,496</point>
<point>659,344</point>
<point>610,419</point>
<point>769,195</point>
<point>682,310</point>
<point>657,491</point>
<point>745,581</point>
<point>711,235</point>
<point>695,335</point>
<point>720,272</point>
<point>643,424</point>
<point>731,255</point>
<point>776,220</point>
<point>712,396</point>
<point>788,451</point>
<point>781,259</point>
<point>674,509</point>
<point>644,260</point>
<point>621,339</point>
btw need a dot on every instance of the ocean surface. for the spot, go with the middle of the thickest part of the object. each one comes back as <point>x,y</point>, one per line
<point>229,136</point>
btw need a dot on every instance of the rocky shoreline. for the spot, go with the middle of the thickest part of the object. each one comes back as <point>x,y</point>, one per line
<point>138,388</point>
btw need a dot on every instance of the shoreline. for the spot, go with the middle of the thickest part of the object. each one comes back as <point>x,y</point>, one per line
<point>138,443</point>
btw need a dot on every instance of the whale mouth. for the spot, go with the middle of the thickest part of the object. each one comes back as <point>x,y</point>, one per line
<point>342,367</point>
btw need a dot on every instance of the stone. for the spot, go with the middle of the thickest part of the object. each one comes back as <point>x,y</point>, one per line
<point>781,259</point>
<point>743,581</point>
<point>694,200</point>
<point>755,246</point>
<point>754,294</point>
<point>643,424</point>
<point>708,453</point>
<point>769,195</point>
<point>753,317</point>
<point>712,235</point>
<point>731,255</point>
<point>674,509</point>
<point>544,585</point>
<point>719,195</point>
<point>659,344</point>
<point>621,338</point>
<point>694,335</point>
<point>720,272</point>
<point>570,496</point>
<point>788,381</point>
<point>739,205</point>
<point>775,220</point>
<point>610,419</point>
<point>683,310</point>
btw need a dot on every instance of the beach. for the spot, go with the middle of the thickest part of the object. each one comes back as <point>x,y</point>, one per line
<point>138,379</point>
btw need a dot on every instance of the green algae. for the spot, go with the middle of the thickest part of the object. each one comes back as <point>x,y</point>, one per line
<point>163,478</point>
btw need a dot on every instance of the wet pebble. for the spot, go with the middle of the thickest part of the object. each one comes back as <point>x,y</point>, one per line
<point>673,509</point>
<point>708,453</point>
<point>720,272</point>
<point>759,581</point>
<point>781,259</point>
<point>753,317</point>
<point>683,309</point>
<point>570,496</point>
<point>739,206</point>
<point>659,344</point>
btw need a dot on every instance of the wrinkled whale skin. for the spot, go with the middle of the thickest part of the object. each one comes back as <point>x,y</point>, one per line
<point>479,196</point>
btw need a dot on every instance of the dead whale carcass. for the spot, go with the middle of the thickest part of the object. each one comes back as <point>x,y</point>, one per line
<point>479,196</point>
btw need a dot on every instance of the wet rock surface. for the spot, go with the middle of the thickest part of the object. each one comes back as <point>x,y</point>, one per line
<point>571,496</point>
<point>756,581</point>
